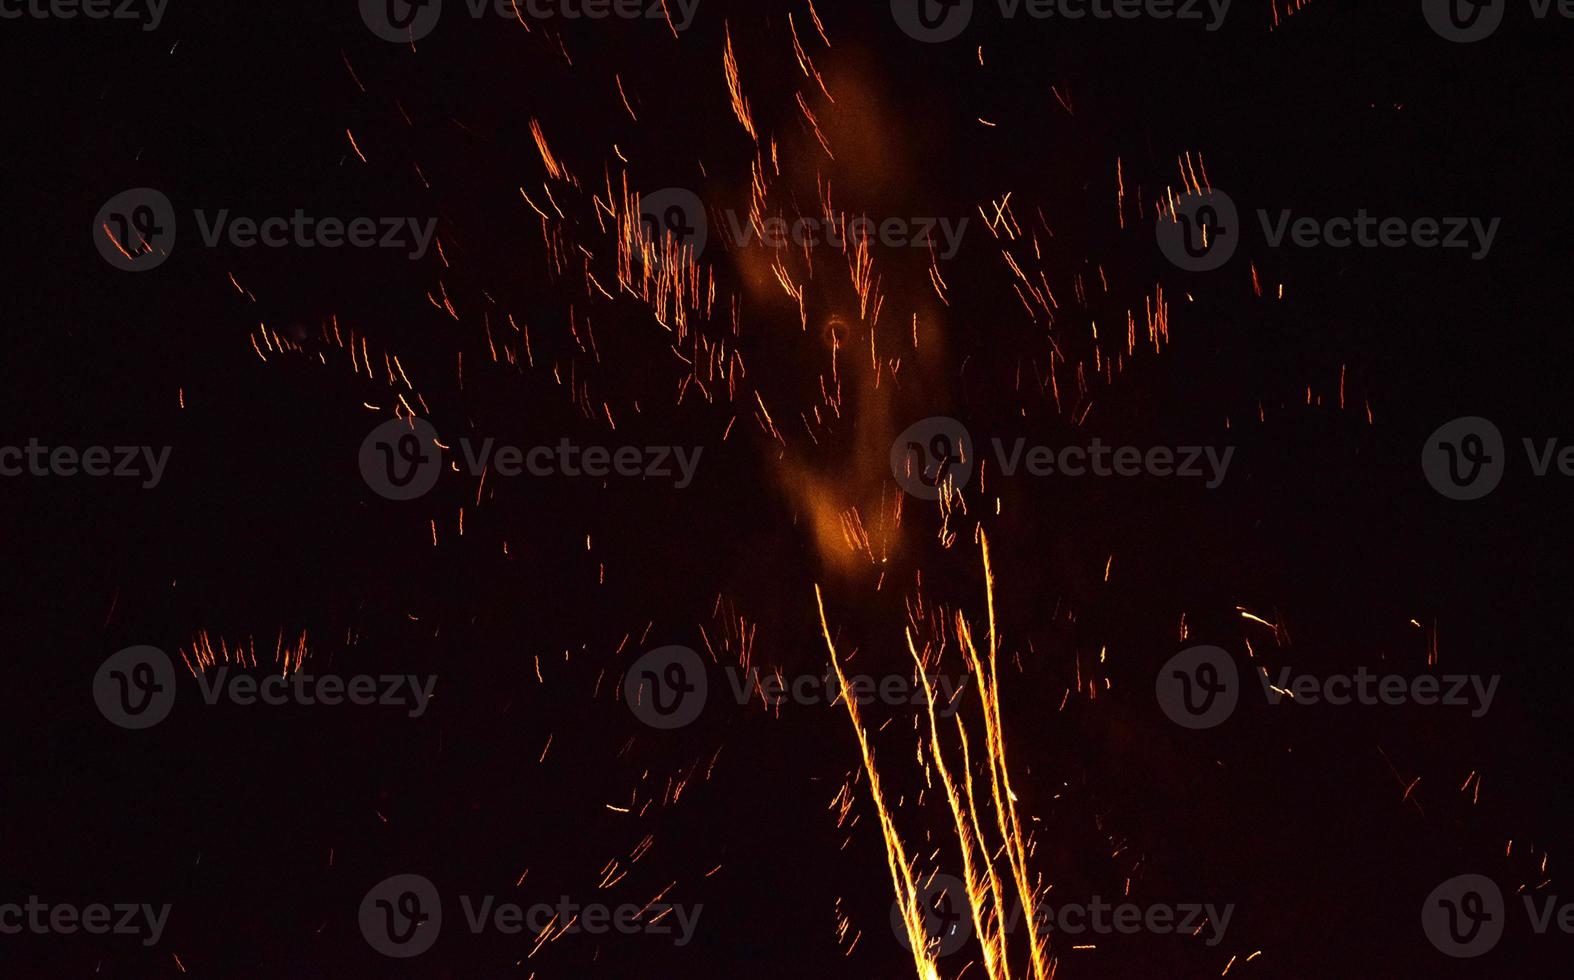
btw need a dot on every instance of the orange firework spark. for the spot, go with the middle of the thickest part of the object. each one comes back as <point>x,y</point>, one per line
<point>990,889</point>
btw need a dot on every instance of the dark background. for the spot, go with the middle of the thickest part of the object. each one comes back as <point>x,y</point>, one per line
<point>265,827</point>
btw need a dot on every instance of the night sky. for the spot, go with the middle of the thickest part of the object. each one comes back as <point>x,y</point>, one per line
<point>292,390</point>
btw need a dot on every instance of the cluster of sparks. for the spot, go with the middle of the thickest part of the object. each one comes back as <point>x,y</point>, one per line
<point>866,333</point>
<point>990,887</point>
